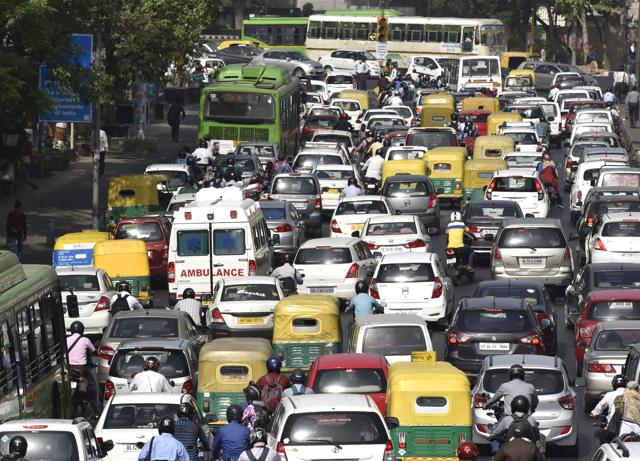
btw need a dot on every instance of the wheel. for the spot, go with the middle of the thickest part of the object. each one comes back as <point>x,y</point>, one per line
<point>298,73</point>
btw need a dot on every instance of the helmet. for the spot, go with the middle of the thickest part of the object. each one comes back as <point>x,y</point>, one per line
<point>286,258</point>
<point>166,424</point>
<point>378,138</point>
<point>468,451</point>
<point>361,287</point>
<point>123,286</point>
<point>386,143</point>
<point>520,404</point>
<point>232,175</point>
<point>231,161</point>
<point>274,364</point>
<point>455,216</point>
<point>188,293</point>
<point>151,363</point>
<point>234,413</point>
<point>184,410</point>
<point>259,435</point>
<point>619,381</point>
<point>77,327</point>
<point>516,372</point>
<point>352,182</point>
<point>297,376</point>
<point>18,444</point>
<point>368,133</point>
<point>252,392</point>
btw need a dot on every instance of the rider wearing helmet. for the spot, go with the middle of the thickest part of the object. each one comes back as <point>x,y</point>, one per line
<point>520,408</point>
<point>343,123</point>
<point>468,451</point>
<point>618,383</point>
<point>80,349</point>
<point>164,447</point>
<point>395,99</point>
<point>512,388</point>
<point>363,303</point>
<point>150,380</point>
<point>456,233</point>
<point>190,305</point>
<point>255,414</point>
<point>297,378</point>
<point>287,271</point>
<point>352,189</point>
<point>258,448</point>
<point>124,291</point>
<point>273,384</point>
<point>188,431</point>
<point>520,445</point>
<point>232,438</point>
<point>17,449</point>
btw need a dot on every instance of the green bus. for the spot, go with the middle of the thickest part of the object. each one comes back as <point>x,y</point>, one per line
<point>246,103</point>
<point>34,378</point>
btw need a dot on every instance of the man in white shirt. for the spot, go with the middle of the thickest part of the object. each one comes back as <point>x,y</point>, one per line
<point>104,147</point>
<point>150,380</point>
<point>554,91</point>
<point>373,166</point>
<point>352,190</point>
<point>202,155</point>
<point>287,271</point>
<point>395,100</point>
<point>190,305</point>
<point>362,69</point>
<point>619,383</point>
<point>124,291</point>
<point>620,83</point>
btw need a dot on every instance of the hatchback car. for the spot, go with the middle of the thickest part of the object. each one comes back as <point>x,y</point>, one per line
<point>316,124</point>
<point>352,212</point>
<point>94,290</point>
<point>286,226</point>
<point>396,234</point>
<point>295,62</point>
<point>615,238</point>
<point>267,152</point>
<point>573,156</point>
<point>484,217</point>
<point>585,179</point>
<point>333,179</point>
<point>555,414</point>
<point>179,175</point>
<point>522,185</point>
<point>303,191</point>
<point>411,194</point>
<point>307,161</point>
<point>489,326</point>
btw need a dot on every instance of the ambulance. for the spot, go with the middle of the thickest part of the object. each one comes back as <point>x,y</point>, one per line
<point>219,234</point>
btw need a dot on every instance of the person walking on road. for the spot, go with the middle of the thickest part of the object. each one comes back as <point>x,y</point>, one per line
<point>362,69</point>
<point>620,83</point>
<point>190,305</point>
<point>175,116</point>
<point>16,229</point>
<point>165,447</point>
<point>104,147</point>
<point>633,103</point>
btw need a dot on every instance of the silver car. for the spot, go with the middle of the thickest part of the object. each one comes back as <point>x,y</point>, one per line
<point>303,191</point>
<point>286,226</point>
<point>555,412</point>
<point>295,62</point>
<point>605,356</point>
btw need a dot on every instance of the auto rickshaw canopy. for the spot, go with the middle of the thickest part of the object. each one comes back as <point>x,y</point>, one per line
<point>307,319</point>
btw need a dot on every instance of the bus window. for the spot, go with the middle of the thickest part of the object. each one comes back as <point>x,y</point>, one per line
<point>434,33</point>
<point>451,34</point>
<point>398,32</point>
<point>346,30</point>
<point>415,32</point>
<point>314,29</point>
<point>7,375</point>
<point>362,30</point>
<point>492,35</point>
<point>467,39</point>
<point>290,35</point>
<point>329,30</point>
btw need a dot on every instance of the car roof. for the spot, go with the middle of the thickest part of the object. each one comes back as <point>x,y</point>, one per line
<point>531,172</point>
<point>616,294</point>
<point>492,301</point>
<point>406,177</point>
<point>254,279</point>
<point>621,216</point>
<point>619,325</point>
<point>335,167</point>
<point>613,266</point>
<point>272,203</point>
<point>169,343</point>
<point>546,222</point>
<point>393,258</point>
<point>312,403</point>
<point>295,175</point>
<point>330,242</point>
<point>147,397</point>
<point>392,218</point>
<point>390,320</point>
<point>362,198</point>
<point>511,283</point>
<point>151,313</point>
<point>66,270</point>
<point>526,360</point>
<point>350,360</point>
<point>41,424</point>
<point>491,203</point>
<point>332,132</point>
<point>167,166</point>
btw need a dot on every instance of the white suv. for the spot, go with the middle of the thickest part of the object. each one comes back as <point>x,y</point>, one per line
<point>345,61</point>
<point>618,450</point>
<point>522,185</point>
<point>68,439</point>
<point>615,238</point>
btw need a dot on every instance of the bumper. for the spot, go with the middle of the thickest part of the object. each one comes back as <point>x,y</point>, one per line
<point>223,331</point>
<point>481,246</point>
<point>95,324</point>
<point>431,311</point>
<point>563,278</point>
<point>429,218</point>
<point>551,429</point>
<point>470,367</point>
<point>613,257</point>
<point>340,290</point>
<point>598,384</point>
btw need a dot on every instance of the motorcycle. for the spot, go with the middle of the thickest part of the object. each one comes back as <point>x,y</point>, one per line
<point>82,404</point>
<point>456,267</point>
<point>371,186</point>
<point>496,410</point>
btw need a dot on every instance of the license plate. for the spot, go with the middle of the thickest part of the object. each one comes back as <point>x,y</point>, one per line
<point>356,227</point>
<point>451,260</point>
<point>333,191</point>
<point>487,232</point>
<point>74,384</point>
<point>494,346</point>
<point>250,320</point>
<point>630,255</point>
<point>131,447</point>
<point>531,262</point>
<point>299,205</point>
<point>392,249</point>
<point>321,290</point>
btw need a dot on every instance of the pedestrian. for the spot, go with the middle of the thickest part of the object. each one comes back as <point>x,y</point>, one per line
<point>232,438</point>
<point>633,103</point>
<point>149,380</point>
<point>187,431</point>
<point>190,304</point>
<point>175,116</point>
<point>281,165</point>
<point>609,98</point>
<point>362,69</point>
<point>16,229</point>
<point>591,56</point>
<point>273,384</point>
<point>104,147</point>
<point>17,449</point>
<point>165,447</point>
<point>554,91</point>
<point>620,83</point>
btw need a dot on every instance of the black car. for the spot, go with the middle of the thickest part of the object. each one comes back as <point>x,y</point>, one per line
<point>489,326</point>
<point>536,294</point>
<point>237,54</point>
<point>483,217</point>
<point>599,276</point>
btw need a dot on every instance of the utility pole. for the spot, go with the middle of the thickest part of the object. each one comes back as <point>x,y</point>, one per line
<point>637,63</point>
<point>96,143</point>
<point>533,25</point>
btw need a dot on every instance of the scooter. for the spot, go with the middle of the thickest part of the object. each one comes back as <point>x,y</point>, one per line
<point>496,410</point>
<point>371,186</point>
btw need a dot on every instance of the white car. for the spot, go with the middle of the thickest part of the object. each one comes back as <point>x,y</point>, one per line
<point>320,109</point>
<point>414,283</point>
<point>618,450</point>
<point>405,112</point>
<point>338,81</point>
<point>345,60</point>
<point>130,420</point>
<point>396,234</point>
<point>373,112</point>
<point>381,119</point>
<point>526,138</point>
<point>577,130</point>
<point>179,175</point>
<point>56,439</point>
<point>570,94</point>
<point>573,156</point>
<point>585,178</point>
<point>332,179</point>
<point>94,290</point>
<point>317,87</point>
<point>522,185</point>
<point>424,65</point>
<point>332,266</point>
<point>615,238</point>
<point>352,212</point>
<point>593,116</point>
<point>352,108</point>
<point>405,153</point>
<point>523,159</point>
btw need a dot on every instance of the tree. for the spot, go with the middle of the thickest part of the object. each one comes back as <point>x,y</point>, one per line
<point>307,9</point>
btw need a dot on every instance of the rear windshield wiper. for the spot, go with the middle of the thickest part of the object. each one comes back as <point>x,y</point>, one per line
<point>329,442</point>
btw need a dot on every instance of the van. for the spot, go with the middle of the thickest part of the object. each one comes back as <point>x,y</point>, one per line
<point>219,234</point>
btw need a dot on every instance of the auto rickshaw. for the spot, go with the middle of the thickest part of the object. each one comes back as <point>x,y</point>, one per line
<point>494,146</point>
<point>436,115</point>
<point>510,60</point>
<point>229,43</point>
<point>520,80</point>
<point>126,261</point>
<point>76,248</point>
<point>478,175</point>
<point>226,366</point>
<point>498,118</point>
<point>446,167</point>
<point>428,408</point>
<point>439,99</point>
<point>413,167</point>
<point>137,195</point>
<point>359,95</point>
<point>304,327</point>
<point>481,103</point>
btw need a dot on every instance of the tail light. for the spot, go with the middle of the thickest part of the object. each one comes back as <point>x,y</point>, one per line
<point>165,252</point>
<point>100,440</point>
<point>566,258</point>
<point>569,164</point>
<point>457,338</point>
<point>335,227</point>
<point>599,245</point>
<point>473,229</point>
<point>489,192</point>
<point>534,340</point>
<point>109,390</point>
<point>402,440</point>
<point>590,220</point>
<point>353,271</point>
<point>318,205</point>
<point>432,200</point>
<point>437,288</point>
<point>600,368</point>
<point>103,304</point>
<point>216,316</point>
<point>284,228</point>
<point>415,244</point>
<point>252,267</point>
<point>372,246</point>
<point>540,190</point>
<point>105,352</point>
<point>497,256</point>
<point>389,454</point>
<point>541,316</point>
<point>281,451</point>
<point>373,289</point>
<point>187,387</point>
<point>479,400</point>
<point>171,273</point>
<point>566,402</point>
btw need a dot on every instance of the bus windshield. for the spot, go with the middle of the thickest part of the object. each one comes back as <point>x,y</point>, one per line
<point>480,67</point>
<point>239,106</point>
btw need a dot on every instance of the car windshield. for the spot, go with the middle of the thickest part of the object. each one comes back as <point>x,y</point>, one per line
<point>377,229</point>
<point>481,210</point>
<point>406,189</point>
<point>176,178</point>
<point>572,95</point>
<point>432,139</point>
<point>532,237</point>
<point>144,327</point>
<point>620,179</point>
<point>578,149</point>
<point>250,292</point>
<point>274,214</point>
<point>371,114</point>
<point>350,381</point>
<point>343,428</point>
<point>532,296</point>
<point>175,206</point>
<point>523,161</point>
<point>493,320</point>
<point>145,231</point>
<point>256,149</point>
<point>393,340</point>
<point>546,382</point>
<point>324,122</point>
<point>44,445</point>
<point>592,117</point>
<point>403,112</point>
<point>294,186</point>
<point>335,175</point>
<point>235,106</point>
<point>614,310</point>
<point>626,278</point>
<point>405,273</point>
<point>515,184</point>
<point>629,228</point>
<point>126,363</point>
<point>312,160</point>
<point>138,415</point>
<point>335,138</point>
<point>361,207</point>
<point>526,138</point>
<point>339,80</point>
<point>245,164</point>
<point>323,255</point>
<point>79,282</point>
<point>527,112</point>
<point>406,154</point>
<point>347,105</point>
<point>325,111</point>
<point>616,340</point>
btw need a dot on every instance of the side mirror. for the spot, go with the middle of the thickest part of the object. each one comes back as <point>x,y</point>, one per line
<point>489,238</point>
<point>211,418</point>
<point>580,382</point>
<point>392,422</point>
<point>551,119</point>
<point>106,446</point>
<point>355,234</point>
<point>73,310</point>
<point>172,383</point>
<point>439,190</point>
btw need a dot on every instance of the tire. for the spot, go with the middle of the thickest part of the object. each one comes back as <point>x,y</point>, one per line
<point>298,73</point>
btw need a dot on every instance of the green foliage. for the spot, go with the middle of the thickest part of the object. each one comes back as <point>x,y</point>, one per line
<point>307,9</point>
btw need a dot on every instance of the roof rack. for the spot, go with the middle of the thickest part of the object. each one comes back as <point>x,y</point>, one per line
<point>620,444</point>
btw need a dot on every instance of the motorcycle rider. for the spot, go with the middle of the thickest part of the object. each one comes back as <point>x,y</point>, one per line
<point>187,431</point>
<point>619,384</point>
<point>80,349</point>
<point>232,438</point>
<point>456,231</point>
<point>124,291</point>
<point>287,271</point>
<point>150,380</point>
<point>363,147</point>
<point>17,449</point>
<point>394,100</point>
<point>297,378</point>
<point>363,303</point>
<point>343,123</point>
<point>375,146</point>
<point>520,447</point>
<point>386,144</point>
<point>273,383</point>
<point>373,166</point>
<point>165,447</point>
<point>255,414</point>
<point>520,407</point>
<point>190,305</point>
<point>352,189</point>
<point>259,451</point>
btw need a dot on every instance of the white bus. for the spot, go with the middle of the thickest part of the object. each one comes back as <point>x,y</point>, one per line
<point>478,72</point>
<point>408,36</point>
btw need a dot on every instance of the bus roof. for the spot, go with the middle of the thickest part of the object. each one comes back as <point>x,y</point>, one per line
<point>408,20</point>
<point>271,20</point>
<point>36,277</point>
<point>265,77</point>
<point>374,13</point>
<point>11,272</point>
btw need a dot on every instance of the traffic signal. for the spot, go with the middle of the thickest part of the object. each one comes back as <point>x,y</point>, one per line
<point>382,29</point>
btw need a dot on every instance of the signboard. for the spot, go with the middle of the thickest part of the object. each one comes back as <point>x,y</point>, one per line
<point>372,37</point>
<point>381,50</point>
<point>74,254</point>
<point>67,106</point>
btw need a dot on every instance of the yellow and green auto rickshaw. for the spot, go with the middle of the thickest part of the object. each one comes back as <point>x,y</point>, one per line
<point>126,261</point>
<point>477,176</point>
<point>510,60</point>
<point>359,95</point>
<point>136,195</point>
<point>305,327</point>
<point>394,167</point>
<point>436,115</point>
<point>428,409</point>
<point>481,103</point>
<point>76,248</point>
<point>225,368</point>
<point>446,168</point>
<point>520,80</point>
<point>495,146</point>
<point>496,119</point>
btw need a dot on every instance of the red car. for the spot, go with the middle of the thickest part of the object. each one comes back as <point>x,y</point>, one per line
<point>155,232</point>
<point>478,117</point>
<point>601,306</point>
<point>350,374</point>
<point>317,123</point>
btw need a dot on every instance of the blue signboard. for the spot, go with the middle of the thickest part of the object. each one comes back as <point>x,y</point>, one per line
<point>73,257</point>
<point>68,106</point>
